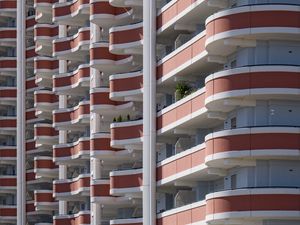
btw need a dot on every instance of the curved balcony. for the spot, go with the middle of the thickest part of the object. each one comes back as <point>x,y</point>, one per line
<point>8,95</point>
<point>133,221</point>
<point>8,36</point>
<point>101,103</point>
<point>8,125</point>
<point>43,10</point>
<point>44,68</point>
<point>8,155</point>
<point>100,192</point>
<point>126,86</point>
<point>105,15</point>
<point>30,147</point>
<point>227,89</point>
<point>42,17</point>
<point>31,85</point>
<point>8,184</point>
<point>253,204</point>
<point>191,56</point>
<point>186,113</point>
<point>30,53</point>
<point>241,144</point>
<point>72,152</point>
<point>74,12</point>
<point>83,217</point>
<point>126,182</point>
<point>44,6</point>
<point>8,8</point>
<point>45,134</point>
<point>241,26</point>
<point>69,188</point>
<point>31,116</point>
<point>190,214</point>
<point>44,201</point>
<point>32,212</point>
<point>44,34</point>
<point>74,83</point>
<point>8,66</point>
<point>126,39</point>
<point>226,149</point>
<point>8,214</point>
<point>45,167</point>
<point>74,47</point>
<point>36,150</point>
<point>32,179</point>
<point>30,22</point>
<point>101,149</point>
<point>30,209</point>
<point>187,13</point>
<point>251,83</point>
<point>126,3</point>
<point>108,63</point>
<point>128,134</point>
<point>44,102</point>
<point>187,164</point>
<point>72,118</point>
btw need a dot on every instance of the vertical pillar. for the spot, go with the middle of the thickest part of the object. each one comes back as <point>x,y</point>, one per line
<point>63,207</point>
<point>21,94</point>
<point>94,125</point>
<point>149,112</point>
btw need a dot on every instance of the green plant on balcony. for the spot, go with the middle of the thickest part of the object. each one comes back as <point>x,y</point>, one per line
<point>119,119</point>
<point>183,89</point>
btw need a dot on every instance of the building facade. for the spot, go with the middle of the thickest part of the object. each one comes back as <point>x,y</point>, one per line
<point>168,112</point>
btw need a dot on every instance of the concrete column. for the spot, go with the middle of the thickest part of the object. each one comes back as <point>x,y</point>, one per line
<point>96,209</point>
<point>149,112</point>
<point>96,169</point>
<point>96,212</point>
<point>95,74</point>
<point>21,107</point>
<point>63,207</point>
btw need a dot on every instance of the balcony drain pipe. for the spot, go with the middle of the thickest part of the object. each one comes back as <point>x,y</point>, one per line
<point>149,111</point>
<point>21,79</point>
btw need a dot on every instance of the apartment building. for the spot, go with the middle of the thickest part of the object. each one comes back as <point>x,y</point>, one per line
<point>167,112</point>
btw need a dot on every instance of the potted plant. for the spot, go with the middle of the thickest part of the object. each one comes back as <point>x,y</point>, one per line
<point>182,89</point>
<point>119,119</point>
